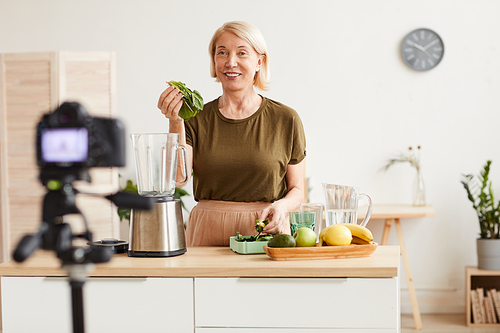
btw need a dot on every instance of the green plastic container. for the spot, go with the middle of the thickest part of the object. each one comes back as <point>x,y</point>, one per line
<point>246,247</point>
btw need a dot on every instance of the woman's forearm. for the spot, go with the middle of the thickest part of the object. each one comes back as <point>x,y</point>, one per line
<point>178,127</point>
<point>292,200</point>
<point>295,179</point>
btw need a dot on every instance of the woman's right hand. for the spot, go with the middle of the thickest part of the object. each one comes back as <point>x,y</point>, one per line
<point>170,103</point>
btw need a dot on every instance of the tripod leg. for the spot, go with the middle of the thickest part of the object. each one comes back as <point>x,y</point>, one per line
<point>77,305</point>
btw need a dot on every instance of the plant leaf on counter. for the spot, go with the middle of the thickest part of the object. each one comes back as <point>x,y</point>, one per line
<point>259,226</point>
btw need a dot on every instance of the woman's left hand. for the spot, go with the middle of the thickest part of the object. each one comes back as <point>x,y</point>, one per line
<point>276,215</point>
<point>277,212</point>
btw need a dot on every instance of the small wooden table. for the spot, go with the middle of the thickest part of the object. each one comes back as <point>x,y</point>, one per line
<point>392,212</point>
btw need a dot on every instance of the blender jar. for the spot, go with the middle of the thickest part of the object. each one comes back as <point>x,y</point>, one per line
<point>156,163</point>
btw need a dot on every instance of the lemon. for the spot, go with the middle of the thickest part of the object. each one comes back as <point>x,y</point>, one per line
<point>323,232</point>
<point>337,235</point>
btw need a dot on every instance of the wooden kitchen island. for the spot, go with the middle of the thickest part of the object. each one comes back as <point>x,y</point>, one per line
<point>208,290</point>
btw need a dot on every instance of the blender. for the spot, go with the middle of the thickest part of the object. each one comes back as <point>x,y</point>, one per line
<point>160,231</point>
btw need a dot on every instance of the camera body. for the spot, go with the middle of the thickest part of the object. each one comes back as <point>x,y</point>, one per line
<point>69,141</point>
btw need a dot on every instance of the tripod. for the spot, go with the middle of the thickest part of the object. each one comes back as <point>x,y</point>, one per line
<point>56,235</point>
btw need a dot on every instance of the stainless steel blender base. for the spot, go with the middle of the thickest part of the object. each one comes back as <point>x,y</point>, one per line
<point>159,232</point>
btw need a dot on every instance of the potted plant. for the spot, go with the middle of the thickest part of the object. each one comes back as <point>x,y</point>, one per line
<point>480,193</point>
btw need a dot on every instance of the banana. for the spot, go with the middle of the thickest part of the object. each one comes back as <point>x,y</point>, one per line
<point>357,231</point>
<point>359,241</point>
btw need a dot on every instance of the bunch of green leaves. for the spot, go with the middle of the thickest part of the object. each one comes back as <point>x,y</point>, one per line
<point>192,100</point>
<point>480,193</point>
<point>124,213</point>
<point>259,226</point>
<point>130,187</point>
<point>178,194</point>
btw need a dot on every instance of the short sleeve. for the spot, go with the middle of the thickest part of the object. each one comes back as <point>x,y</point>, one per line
<point>298,142</point>
<point>189,133</point>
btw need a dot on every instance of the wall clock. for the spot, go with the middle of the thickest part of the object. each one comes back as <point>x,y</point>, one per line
<point>422,49</point>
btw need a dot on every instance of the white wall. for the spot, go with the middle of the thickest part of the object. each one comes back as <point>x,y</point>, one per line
<point>338,64</point>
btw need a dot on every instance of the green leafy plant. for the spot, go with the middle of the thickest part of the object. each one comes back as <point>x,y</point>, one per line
<point>193,102</point>
<point>259,226</point>
<point>480,193</point>
<point>130,187</point>
<point>124,213</point>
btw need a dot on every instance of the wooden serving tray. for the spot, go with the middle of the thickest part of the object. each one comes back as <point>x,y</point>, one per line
<point>320,252</point>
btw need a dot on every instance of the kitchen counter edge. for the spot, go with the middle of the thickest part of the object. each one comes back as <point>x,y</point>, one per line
<point>216,262</point>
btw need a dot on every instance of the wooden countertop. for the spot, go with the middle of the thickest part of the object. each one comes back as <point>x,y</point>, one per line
<point>216,262</point>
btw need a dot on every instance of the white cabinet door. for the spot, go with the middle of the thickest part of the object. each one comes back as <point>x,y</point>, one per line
<point>139,305</point>
<point>361,303</point>
<point>37,304</point>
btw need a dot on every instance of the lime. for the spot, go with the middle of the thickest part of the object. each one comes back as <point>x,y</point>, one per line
<point>305,237</point>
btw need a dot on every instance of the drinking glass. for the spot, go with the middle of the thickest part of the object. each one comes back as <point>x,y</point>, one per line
<point>317,209</point>
<point>299,219</point>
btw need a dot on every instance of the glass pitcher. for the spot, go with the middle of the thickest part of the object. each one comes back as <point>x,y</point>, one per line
<point>342,204</point>
<point>156,163</point>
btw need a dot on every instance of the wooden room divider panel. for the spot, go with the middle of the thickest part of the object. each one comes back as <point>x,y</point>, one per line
<point>32,84</point>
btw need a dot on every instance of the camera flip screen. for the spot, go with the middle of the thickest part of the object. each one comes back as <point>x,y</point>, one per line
<point>64,145</point>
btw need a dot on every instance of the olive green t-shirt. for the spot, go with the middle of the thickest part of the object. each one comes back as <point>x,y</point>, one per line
<point>244,160</point>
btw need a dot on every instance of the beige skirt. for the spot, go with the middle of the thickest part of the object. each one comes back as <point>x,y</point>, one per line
<point>212,223</point>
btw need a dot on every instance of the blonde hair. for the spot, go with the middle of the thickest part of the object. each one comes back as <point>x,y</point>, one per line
<point>252,36</point>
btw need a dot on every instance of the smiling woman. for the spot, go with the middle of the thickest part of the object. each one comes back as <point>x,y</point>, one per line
<point>254,45</point>
<point>237,66</point>
<point>246,151</point>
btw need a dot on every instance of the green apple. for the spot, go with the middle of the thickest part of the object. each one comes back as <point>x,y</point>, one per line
<point>305,237</point>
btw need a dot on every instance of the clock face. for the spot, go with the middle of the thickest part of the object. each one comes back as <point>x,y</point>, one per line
<point>422,49</point>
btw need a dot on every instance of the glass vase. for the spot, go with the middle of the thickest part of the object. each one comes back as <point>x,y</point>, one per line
<point>418,189</point>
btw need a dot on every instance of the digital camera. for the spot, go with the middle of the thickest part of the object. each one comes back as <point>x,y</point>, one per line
<point>69,141</point>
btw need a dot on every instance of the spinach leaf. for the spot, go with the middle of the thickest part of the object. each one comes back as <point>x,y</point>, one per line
<point>259,226</point>
<point>192,100</point>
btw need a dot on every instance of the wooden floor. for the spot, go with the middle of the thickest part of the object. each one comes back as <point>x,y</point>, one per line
<point>443,323</point>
